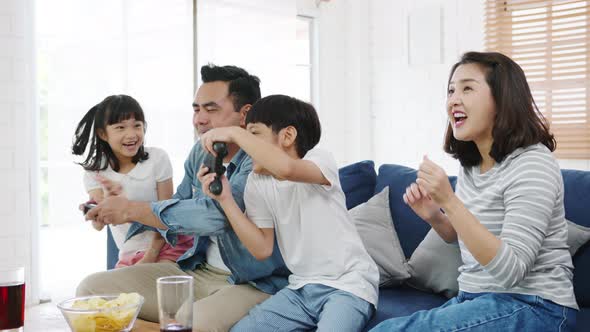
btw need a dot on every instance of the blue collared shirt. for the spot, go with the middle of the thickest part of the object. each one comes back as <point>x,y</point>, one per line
<point>192,212</point>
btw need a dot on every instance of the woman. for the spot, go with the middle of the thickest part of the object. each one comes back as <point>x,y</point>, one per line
<point>507,212</point>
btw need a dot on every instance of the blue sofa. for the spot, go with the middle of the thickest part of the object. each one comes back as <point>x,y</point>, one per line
<point>360,182</point>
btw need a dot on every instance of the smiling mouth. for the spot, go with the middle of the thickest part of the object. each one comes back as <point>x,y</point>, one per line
<point>459,118</point>
<point>130,145</point>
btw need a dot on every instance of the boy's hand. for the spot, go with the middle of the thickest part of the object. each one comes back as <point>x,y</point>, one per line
<point>221,134</point>
<point>206,180</point>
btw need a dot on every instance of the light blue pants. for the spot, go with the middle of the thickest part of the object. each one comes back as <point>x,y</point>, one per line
<point>488,312</point>
<point>310,307</point>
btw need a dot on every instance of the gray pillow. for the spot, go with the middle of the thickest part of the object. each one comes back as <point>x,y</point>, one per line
<point>375,227</point>
<point>577,236</point>
<point>434,265</point>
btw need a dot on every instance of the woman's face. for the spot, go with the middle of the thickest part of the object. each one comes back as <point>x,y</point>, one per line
<point>470,105</point>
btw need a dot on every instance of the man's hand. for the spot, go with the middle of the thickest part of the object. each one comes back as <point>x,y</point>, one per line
<point>206,180</point>
<point>221,134</point>
<point>112,210</point>
<point>110,188</point>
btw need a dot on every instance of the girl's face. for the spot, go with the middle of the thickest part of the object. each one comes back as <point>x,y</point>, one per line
<point>470,105</point>
<point>125,138</point>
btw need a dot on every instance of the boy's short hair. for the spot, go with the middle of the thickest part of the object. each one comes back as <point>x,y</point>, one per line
<point>280,111</point>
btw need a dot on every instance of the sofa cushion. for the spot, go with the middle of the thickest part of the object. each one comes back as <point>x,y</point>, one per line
<point>577,209</point>
<point>358,182</point>
<point>577,236</point>
<point>410,228</point>
<point>434,266</point>
<point>373,223</point>
<point>402,301</point>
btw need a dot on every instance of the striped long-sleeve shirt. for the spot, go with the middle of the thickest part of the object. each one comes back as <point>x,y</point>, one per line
<point>520,200</point>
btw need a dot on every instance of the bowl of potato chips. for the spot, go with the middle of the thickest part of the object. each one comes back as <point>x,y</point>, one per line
<point>102,313</point>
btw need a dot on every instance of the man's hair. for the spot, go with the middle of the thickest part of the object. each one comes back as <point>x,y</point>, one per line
<point>279,111</point>
<point>517,123</point>
<point>243,88</point>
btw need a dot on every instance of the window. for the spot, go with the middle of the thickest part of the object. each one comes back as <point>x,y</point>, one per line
<point>144,51</point>
<point>303,58</point>
<point>550,41</point>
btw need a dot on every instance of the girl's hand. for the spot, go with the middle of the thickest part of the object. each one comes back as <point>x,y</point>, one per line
<point>110,188</point>
<point>149,256</point>
<point>421,203</point>
<point>434,182</point>
<point>221,134</point>
<point>206,180</point>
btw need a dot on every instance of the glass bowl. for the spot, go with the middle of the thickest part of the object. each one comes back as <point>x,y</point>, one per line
<point>109,317</point>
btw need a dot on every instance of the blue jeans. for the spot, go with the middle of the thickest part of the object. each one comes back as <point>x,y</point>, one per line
<point>307,308</point>
<point>488,312</point>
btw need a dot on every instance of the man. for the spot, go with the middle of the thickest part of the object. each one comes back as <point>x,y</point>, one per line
<point>229,281</point>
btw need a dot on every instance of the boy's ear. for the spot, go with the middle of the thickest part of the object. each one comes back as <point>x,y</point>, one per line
<point>287,136</point>
<point>243,112</point>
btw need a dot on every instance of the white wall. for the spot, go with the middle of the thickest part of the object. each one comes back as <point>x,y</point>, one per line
<point>237,32</point>
<point>383,71</point>
<point>378,101</point>
<point>18,167</point>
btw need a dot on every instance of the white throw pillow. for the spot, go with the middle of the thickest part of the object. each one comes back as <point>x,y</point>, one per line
<point>375,226</point>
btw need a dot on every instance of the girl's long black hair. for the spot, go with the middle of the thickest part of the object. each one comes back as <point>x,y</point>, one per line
<point>113,109</point>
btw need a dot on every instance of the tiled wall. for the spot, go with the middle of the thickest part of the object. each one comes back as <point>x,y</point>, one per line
<point>18,168</point>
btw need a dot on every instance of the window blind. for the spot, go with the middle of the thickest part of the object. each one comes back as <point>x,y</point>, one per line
<point>550,40</point>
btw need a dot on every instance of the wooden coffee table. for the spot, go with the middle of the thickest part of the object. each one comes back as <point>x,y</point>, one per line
<point>145,326</point>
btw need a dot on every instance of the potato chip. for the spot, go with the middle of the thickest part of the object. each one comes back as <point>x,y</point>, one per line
<point>110,320</point>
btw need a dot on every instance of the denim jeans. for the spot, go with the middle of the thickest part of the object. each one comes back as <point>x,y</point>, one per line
<point>313,307</point>
<point>488,312</point>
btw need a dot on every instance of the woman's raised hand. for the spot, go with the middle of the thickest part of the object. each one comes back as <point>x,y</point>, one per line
<point>421,203</point>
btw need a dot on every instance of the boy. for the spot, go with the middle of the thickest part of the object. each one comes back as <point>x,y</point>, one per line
<point>295,191</point>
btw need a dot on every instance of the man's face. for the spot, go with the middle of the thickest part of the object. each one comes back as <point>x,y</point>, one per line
<point>214,108</point>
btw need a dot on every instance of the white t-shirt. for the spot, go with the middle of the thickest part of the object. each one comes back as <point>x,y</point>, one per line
<point>140,184</point>
<point>315,233</point>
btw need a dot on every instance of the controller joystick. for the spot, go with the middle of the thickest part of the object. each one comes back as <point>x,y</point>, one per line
<point>215,165</point>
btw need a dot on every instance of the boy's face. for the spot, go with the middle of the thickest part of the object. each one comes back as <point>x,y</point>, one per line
<point>265,133</point>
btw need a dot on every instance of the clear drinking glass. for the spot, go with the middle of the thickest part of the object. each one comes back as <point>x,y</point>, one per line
<point>12,299</point>
<point>175,303</point>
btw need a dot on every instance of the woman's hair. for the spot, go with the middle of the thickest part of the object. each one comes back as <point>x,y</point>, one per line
<point>517,123</point>
<point>113,109</point>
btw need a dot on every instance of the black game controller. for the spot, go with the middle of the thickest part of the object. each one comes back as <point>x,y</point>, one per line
<point>88,206</point>
<point>215,165</point>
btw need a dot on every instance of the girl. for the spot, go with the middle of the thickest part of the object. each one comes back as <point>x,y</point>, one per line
<point>114,132</point>
<point>507,212</point>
